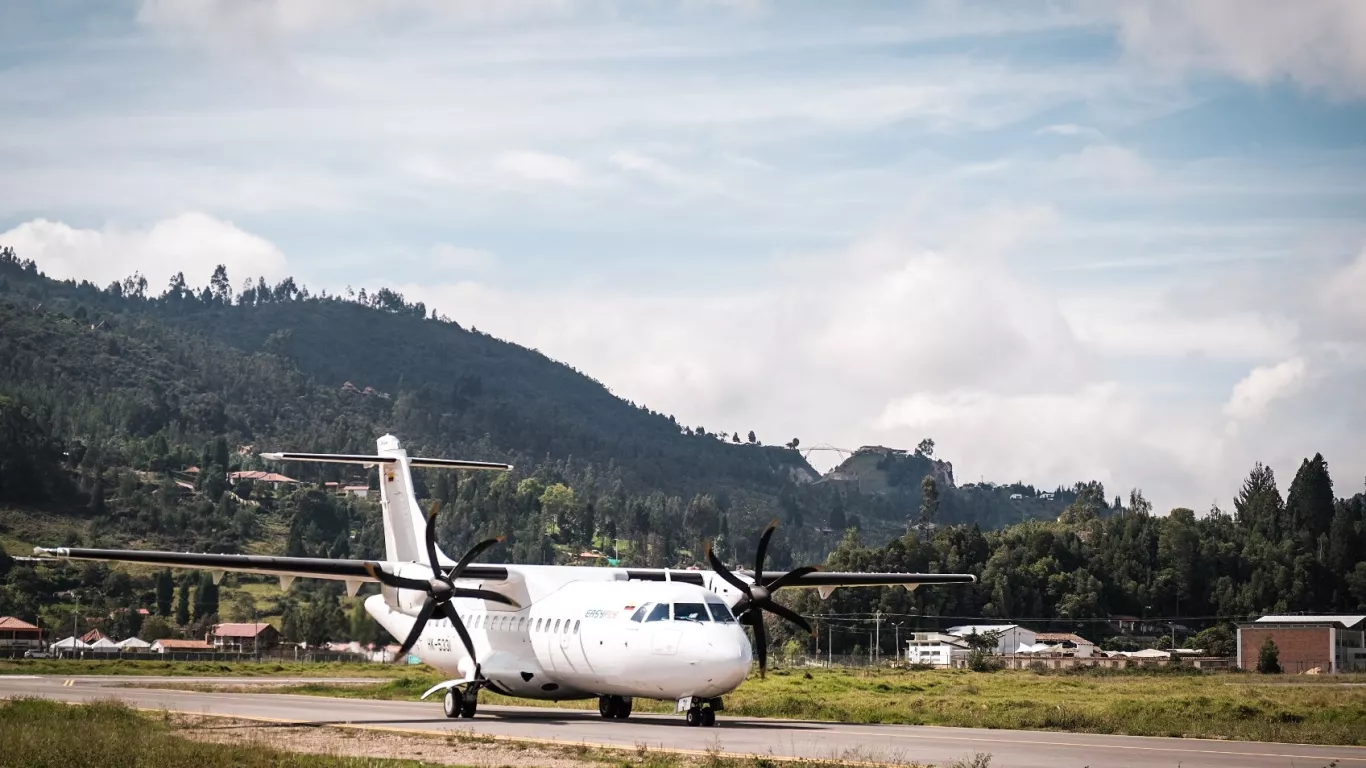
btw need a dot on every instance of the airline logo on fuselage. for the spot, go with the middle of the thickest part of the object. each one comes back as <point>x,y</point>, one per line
<point>605,613</point>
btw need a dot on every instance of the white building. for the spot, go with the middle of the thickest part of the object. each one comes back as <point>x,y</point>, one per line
<point>1008,636</point>
<point>1067,644</point>
<point>935,648</point>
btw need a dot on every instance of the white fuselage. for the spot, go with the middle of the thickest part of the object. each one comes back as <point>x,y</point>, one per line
<point>577,638</point>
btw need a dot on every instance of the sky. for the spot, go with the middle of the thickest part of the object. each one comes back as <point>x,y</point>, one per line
<point>1066,240</point>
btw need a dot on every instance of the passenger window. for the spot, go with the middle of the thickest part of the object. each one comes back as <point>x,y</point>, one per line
<point>557,625</point>
<point>690,612</point>
<point>659,613</point>
<point>576,626</point>
<point>538,625</point>
<point>521,624</point>
<point>720,612</point>
<point>639,615</point>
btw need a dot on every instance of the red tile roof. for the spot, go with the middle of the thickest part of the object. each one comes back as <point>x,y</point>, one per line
<point>240,630</point>
<point>265,477</point>
<point>1061,637</point>
<point>12,624</point>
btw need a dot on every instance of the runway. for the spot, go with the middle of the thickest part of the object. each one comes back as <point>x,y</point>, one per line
<point>735,735</point>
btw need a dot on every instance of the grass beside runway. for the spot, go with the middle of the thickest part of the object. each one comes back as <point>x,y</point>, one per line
<point>43,734</point>
<point>76,667</point>
<point>1243,707</point>
<point>36,733</point>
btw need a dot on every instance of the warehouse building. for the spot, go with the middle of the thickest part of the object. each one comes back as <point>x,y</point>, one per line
<point>1329,644</point>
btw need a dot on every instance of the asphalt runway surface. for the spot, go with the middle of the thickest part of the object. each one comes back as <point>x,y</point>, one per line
<point>734,735</point>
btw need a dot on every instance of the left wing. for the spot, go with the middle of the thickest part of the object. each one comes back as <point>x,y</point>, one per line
<point>353,572</point>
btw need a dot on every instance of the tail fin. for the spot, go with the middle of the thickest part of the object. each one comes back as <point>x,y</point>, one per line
<point>404,521</point>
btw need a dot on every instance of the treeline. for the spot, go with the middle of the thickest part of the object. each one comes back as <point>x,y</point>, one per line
<point>1302,553</point>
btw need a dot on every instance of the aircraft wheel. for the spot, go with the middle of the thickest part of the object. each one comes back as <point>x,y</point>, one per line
<point>695,717</point>
<point>623,708</point>
<point>468,706</point>
<point>607,707</point>
<point>708,717</point>
<point>450,704</point>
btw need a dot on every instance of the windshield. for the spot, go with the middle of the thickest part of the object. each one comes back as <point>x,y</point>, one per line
<point>660,613</point>
<point>690,612</point>
<point>720,612</point>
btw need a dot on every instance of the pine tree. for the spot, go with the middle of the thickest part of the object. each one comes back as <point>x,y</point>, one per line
<point>1269,658</point>
<point>165,592</point>
<point>182,606</point>
<point>1309,504</point>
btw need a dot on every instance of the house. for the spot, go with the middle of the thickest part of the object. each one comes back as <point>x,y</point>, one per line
<point>935,648</point>
<point>359,491</point>
<point>69,645</point>
<point>272,478</point>
<point>17,634</point>
<point>1331,644</point>
<point>1008,636</point>
<point>93,636</point>
<point>172,645</point>
<point>134,645</point>
<point>244,638</point>
<point>1066,644</point>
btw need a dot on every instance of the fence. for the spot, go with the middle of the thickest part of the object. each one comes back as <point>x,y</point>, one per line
<point>272,656</point>
<point>1007,661</point>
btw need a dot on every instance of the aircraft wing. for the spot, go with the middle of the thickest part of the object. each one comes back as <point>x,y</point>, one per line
<point>287,568</point>
<point>823,580</point>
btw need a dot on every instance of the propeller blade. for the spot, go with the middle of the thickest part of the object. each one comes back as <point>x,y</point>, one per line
<point>791,576</point>
<point>763,550</point>
<point>473,553</point>
<point>454,616</point>
<point>397,582</point>
<point>791,615</point>
<point>416,631</point>
<point>724,572</point>
<point>486,594</point>
<point>431,538</point>
<point>761,643</point>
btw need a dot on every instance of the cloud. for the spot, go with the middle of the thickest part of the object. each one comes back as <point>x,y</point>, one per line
<point>1320,45</point>
<point>1106,164</point>
<point>1071,129</point>
<point>1344,294</point>
<point>1263,386</point>
<point>1128,324</point>
<point>193,243</point>
<point>542,167</point>
<point>660,172</point>
<point>455,257</point>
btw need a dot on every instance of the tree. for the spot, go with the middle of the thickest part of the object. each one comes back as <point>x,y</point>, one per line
<point>752,439</point>
<point>1269,658</point>
<point>735,438</point>
<point>182,606</point>
<point>363,627</point>
<point>794,443</point>
<point>1309,504</point>
<point>929,502</point>
<point>165,592</point>
<point>1216,641</point>
<point>925,449</point>
<point>156,628</point>
<point>205,597</point>
<point>219,285</point>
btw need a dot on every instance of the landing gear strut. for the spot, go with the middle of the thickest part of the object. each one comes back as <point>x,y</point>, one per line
<point>614,707</point>
<point>702,712</point>
<point>458,704</point>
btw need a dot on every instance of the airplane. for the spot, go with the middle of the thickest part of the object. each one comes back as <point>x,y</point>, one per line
<point>543,632</point>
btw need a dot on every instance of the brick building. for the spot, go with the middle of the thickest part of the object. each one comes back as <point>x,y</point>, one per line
<point>17,635</point>
<point>1331,644</point>
<point>244,638</point>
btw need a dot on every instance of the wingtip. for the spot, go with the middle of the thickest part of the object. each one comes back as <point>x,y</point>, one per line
<point>273,456</point>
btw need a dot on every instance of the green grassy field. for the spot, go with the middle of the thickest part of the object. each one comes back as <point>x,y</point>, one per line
<point>198,668</point>
<point>1222,706</point>
<point>38,734</point>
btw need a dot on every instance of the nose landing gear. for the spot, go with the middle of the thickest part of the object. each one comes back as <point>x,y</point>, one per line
<point>614,707</point>
<point>701,712</point>
<point>458,704</point>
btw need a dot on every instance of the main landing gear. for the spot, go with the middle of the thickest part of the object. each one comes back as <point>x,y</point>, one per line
<point>461,704</point>
<point>614,707</point>
<point>701,712</point>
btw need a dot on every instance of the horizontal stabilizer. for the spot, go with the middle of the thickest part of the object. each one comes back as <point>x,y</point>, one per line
<point>348,458</point>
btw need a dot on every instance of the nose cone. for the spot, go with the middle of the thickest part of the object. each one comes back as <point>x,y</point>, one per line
<point>721,658</point>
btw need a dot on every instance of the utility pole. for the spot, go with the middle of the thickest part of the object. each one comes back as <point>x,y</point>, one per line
<point>897,625</point>
<point>877,620</point>
<point>830,644</point>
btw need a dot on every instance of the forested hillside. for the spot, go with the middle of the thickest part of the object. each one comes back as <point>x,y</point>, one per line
<point>110,396</point>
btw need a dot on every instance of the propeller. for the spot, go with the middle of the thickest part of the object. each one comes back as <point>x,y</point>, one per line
<point>440,588</point>
<point>759,596</point>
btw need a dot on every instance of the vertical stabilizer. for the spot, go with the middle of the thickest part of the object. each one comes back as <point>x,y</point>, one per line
<point>404,521</point>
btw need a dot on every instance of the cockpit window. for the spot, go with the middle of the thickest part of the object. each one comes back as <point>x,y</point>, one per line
<point>660,613</point>
<point>720,612</point>
<point>690,612</point>
<point>639,615</point>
